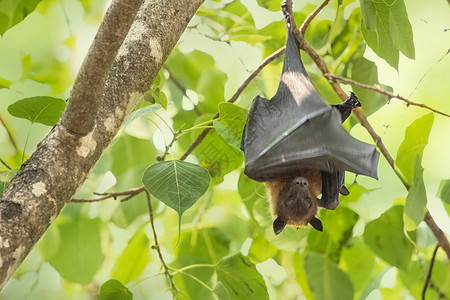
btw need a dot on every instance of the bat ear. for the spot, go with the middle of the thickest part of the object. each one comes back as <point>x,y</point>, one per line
<point>344,191</point>
<point>279,224</point>
<point>316,224</point>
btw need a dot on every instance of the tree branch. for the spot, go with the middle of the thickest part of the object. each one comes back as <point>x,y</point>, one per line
<point>377,89</point>
<point>50,177</point>
<point>86,92</point>
<point>130,194</point>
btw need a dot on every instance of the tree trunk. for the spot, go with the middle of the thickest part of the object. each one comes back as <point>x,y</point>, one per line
<point>110,83</point>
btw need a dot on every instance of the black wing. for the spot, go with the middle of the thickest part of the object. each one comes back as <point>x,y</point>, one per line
<point>297,129</point>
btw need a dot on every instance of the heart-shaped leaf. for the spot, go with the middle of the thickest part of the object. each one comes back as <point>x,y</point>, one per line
<point>114,290</point>
<point>176,183</point>
<point>41,109</point>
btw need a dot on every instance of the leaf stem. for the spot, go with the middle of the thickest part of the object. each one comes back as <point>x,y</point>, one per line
<point>26,142</point>
<point>156,246</point>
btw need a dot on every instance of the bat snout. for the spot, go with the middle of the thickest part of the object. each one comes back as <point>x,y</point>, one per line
<point>301,182</point>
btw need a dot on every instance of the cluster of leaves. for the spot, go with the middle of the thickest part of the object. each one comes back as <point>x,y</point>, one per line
<point>224,246</point>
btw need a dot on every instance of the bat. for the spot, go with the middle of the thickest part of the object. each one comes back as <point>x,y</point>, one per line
<point>296,145</point>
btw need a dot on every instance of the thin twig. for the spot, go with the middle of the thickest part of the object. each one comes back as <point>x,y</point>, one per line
<point>130,194</point>
<point>156,245</point>
<point>427,281</point>
<point>383,92</point>
<point>166,151</point>
<point>438,233</point>
<point>236,95</point>
<point>365,123</point>
<point>308,20</point>
<point>182,89</point>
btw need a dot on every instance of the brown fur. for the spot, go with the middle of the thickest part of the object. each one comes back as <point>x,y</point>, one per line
<point>307,205</point>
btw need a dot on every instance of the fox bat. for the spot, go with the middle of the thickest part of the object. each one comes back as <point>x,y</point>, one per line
<point>296,144</point>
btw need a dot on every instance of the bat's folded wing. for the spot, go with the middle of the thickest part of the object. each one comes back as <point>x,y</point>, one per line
<point>279,143</point>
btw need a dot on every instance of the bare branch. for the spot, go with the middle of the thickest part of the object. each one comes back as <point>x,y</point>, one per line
<point>383,92</point>
<point>130,194</point>
<point>236,95</point>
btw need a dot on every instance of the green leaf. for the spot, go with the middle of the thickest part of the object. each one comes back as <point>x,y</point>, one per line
<point>231,122</point>
<point>366,72</point>
<point>251,38</point>
<point>221,291</point>
<point>326,280</point>
<point>162,100</point>
<point>217,156</point>
<point>358,261</point>
<point>386,238</point>
<point>387,30</point>
<point>3,186</point>
<point>203,246</point>
<point>133,260</point>
<point>416,201</point>
<point>79,254</point>
<point>41,109</point>
<point>178,184</point>
<point>114,290</point>
<point>240,278</point>
<point>374,284</point>
<point>251,191</point>
<point>14,11</point>
<point>444,191</point>
<point>141,112</point>
<point>261,249</point>
<point>416,138</point>
<point>338,227</point>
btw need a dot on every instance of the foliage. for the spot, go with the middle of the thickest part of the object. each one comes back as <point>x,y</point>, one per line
<point>374,244</point>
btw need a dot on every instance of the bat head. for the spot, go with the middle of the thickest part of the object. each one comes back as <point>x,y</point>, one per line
<point>296,205</point>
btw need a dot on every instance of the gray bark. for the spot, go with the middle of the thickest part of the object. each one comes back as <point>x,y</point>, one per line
<point>49,178</point>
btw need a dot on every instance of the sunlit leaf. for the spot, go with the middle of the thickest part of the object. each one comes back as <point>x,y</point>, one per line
<point>416,201</point>
<point>221,292</point>
<point>387,30</point>
<point>44,110</point>
<point>444,191</point>
<point>387,240</point>
<point>240,278</point>
<point>79,254</point>
<point>178,184</point>
<point>203,246</point>
<point>374,284</point>
<point>114,290</point>
<point>358,261</point>
<point>326,280</point>
<point>365,71</point>
<point>231,122</point>
<point>416,138</point>
<point>133,259</point>
<point>251,38</point>
<point>338,227</point>
<point>13,12</point>
<point>217,156</point>
<point>141,112</point>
